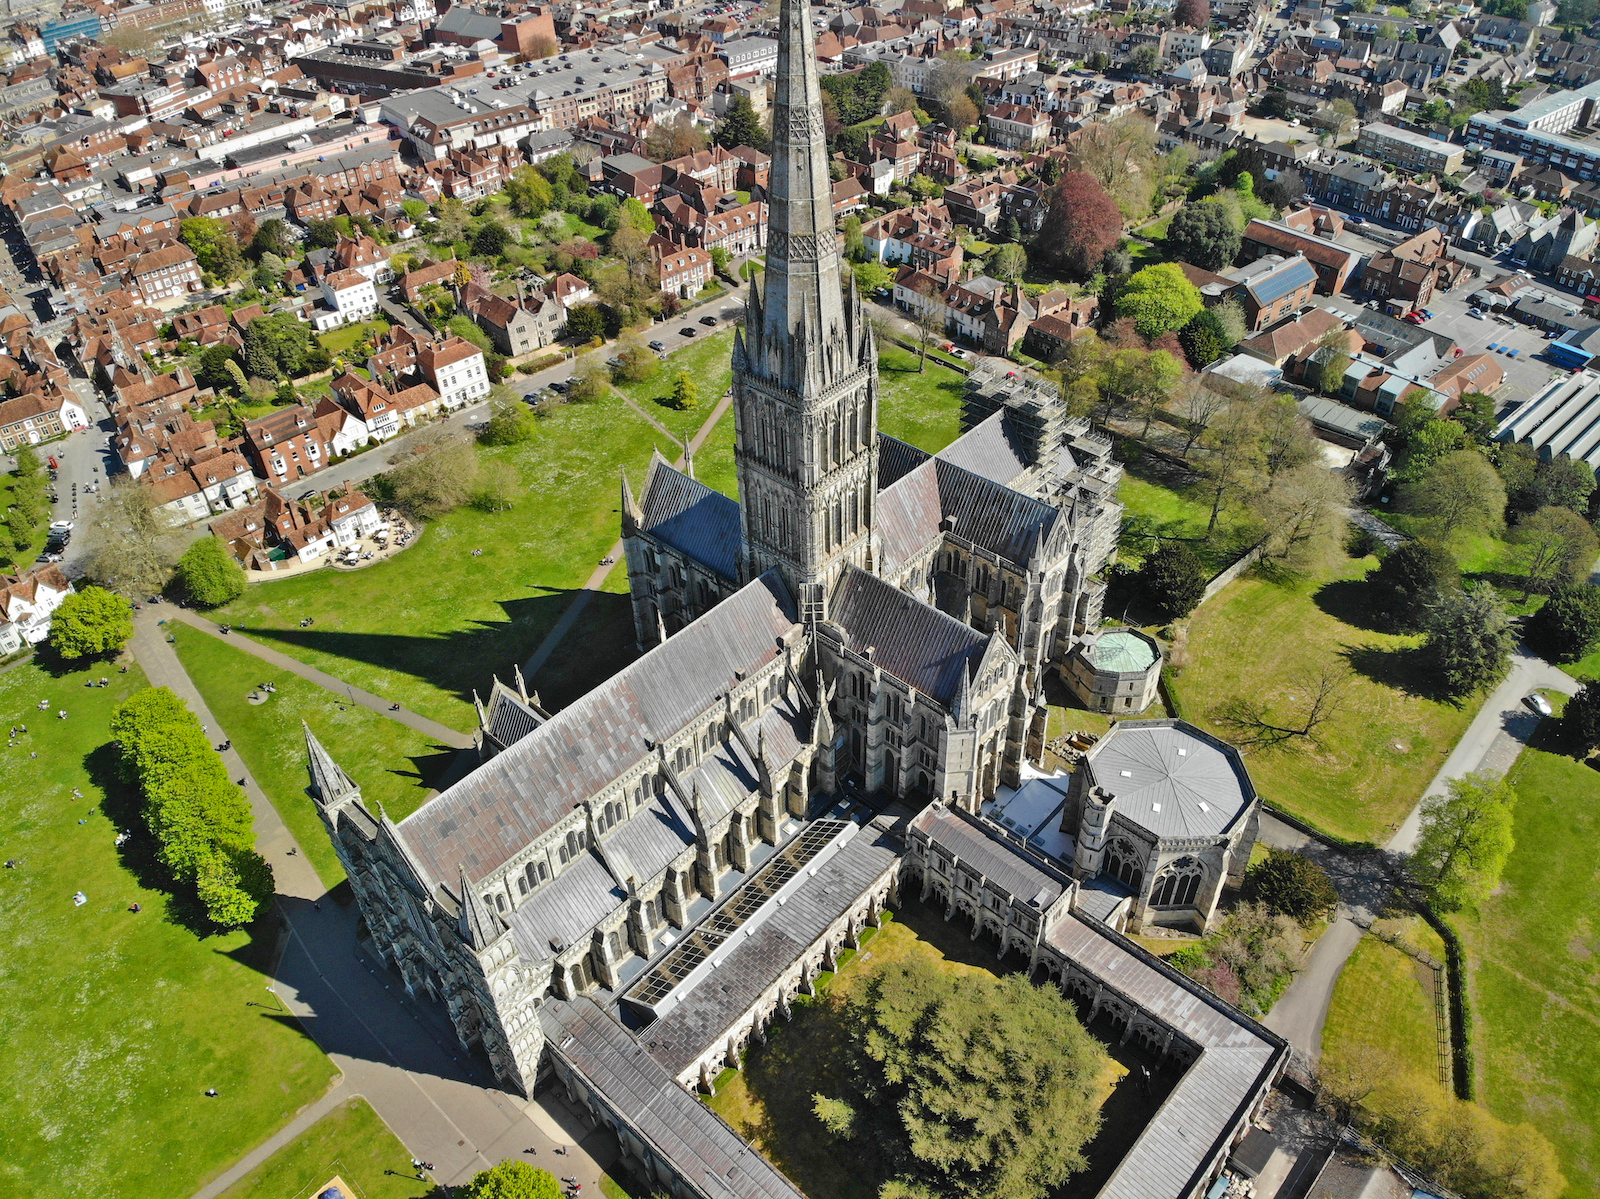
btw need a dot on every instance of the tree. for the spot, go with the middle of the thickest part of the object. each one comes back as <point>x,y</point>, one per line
<point>1203,339</point>
<point>637,364</point>
<point>272,236</point>
<point>497,487</point>
<point>513,1179</point>
<point>1411,579</point>
<point>209,574</point>
<point>437,476</point>
<point>1580,721</point>
<point>972,1088</point>
<point>1231,463</point>
<point>1553,545</point>
<point>1007,262</point>
<point>1199,407</point>
<point>1204,234</point>
<point>1464,841</point>
<point>214,246</point>
<point>1304,511</point>
<point>1196,14</point>
<point>529,193</point>
<point>277,346</point>
<point>740,126</point>
<point>1172,580</point>
<point>90,623</point>
<point>212,370</point>
<point>585,322</point>
<point>1080,225</point>
<point>672,139</point>
<point>1468,641</point>
<point>510,420</point>
<point>1120,155</point>
<point>490,238</point>
<point>1291,884</point>
<point>1458,492</point>
<point>1533,483</point>
<point>1159,299</point>
<point>132,546</point>
<point>1145,60</point>
<point>591,383</point>
<point>1568,626</point>
<point>685,392</point>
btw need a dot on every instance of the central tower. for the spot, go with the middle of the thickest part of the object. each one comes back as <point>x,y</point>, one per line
<point>805,379</point>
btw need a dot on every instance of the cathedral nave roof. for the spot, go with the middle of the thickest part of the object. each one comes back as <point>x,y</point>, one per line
<point>913,641</point>
<point>694,518</point>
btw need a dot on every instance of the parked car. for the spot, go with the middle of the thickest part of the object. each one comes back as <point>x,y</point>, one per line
<point>1551,334</point>
<point>61,524</point>
<point>687,331</point>
<point>1475,313</point>
<point>708,321</point>
<point>658,346</point>
<point>1538,703</point>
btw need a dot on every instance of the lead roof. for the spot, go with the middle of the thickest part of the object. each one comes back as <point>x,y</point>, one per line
<point>693,518</point>
<point>914,642</point>
<point>1171,778</point>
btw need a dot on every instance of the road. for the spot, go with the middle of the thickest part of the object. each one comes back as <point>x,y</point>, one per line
<point>399,1055</point>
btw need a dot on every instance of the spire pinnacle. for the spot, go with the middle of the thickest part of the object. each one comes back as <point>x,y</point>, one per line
<point>329,784</point>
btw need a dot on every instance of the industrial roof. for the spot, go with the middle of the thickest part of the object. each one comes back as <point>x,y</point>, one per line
<point>1564,418</point>
<point>1171,778</point>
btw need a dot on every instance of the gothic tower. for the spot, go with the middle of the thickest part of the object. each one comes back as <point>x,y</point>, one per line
<point>805,377</point>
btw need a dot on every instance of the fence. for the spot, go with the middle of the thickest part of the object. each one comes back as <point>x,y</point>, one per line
<point>1441,990</point>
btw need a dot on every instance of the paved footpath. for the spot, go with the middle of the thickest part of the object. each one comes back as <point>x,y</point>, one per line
<point>444,734</point>
<point>401,1057</point>
<point>597,578</point>
<point>1491,743</point>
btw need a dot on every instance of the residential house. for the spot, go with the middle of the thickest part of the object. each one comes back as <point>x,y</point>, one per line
<point>681,271</point>
<point>27,603</point>
<point>516,326</point>
<point>455,369</point>
<point>37,416</point>
<point>1273,288</point>
<point>288,444</point>
<point>348,297</point>
<point>165,277</point>
<point>1332,262</point>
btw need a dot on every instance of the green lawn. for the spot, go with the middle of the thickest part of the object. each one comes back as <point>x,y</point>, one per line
<point>351,1142</point>
<point>1162,509</point>
<point>115,1021</point>
<point>393,765</point>
<point>769,1102</point>
<point>1534,948</point>
<point>1377,753</point>
<point>339,341</point>
<point>1383,1010</point>
<point>433,623</point>
<point>921,407</point>
<point>709,362</point>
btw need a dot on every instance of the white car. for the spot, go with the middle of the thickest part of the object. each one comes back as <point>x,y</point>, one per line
<point>61,524</point>
<point>1538,703</point>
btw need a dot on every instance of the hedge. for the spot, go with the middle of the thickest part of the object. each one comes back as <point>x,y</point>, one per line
<point>199,817</point>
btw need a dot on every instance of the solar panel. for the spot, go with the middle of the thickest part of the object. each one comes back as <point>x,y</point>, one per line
<point>700,943</point>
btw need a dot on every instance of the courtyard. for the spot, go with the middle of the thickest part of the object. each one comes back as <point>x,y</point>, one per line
<point>770,1101</point>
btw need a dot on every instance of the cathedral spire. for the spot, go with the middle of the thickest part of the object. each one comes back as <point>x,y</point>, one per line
<point>329,784</point>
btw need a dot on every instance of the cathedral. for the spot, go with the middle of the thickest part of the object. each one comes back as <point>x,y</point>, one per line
<point>867,620</point>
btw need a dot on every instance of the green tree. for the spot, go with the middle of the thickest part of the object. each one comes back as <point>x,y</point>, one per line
<point>585,322</point>
<point>1567,627</point>
<point>131,545</point>
<point>209,574</point>
<point>513,1179</point>
<point>1205,234</point>
<point>1232,465</point>
<point>1468,641</point>
<point>1458,492</point>
<point>272,237</point>
<point>1007,263</point>
<point>529,193</point>
<point>91,623</point>
<point>685,392</point>
<point>510,420</point>
<point>1172,579</point>
<point>277,346</point>
<point>1464,841</point>
<point>634,215</point>
<point>593,382</point>
<point>490,238</point>
<point>637,364</point>
<point>1144,60</point>
<point>1203,339</point>
<point>1580,721</point>
<point>740,126</point>
<point>1158,299</point>
<point>1551,546</point>
<point>1291,884</point>
<point>1409,580</point>
<point>972,1088</point>
<point>437,476</point>
<point>212,370</point>
<point>214,246</point>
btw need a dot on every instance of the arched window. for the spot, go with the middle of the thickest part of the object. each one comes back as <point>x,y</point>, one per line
<point>1178,884</point>
<point>544,871</point>
<point>1122,864</point>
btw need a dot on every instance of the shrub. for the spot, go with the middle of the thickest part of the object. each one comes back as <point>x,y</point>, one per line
<point>1290,884</point>
<point>1172,579</point>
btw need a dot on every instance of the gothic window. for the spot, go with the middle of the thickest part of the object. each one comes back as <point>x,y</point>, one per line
<point>1178,884</point>
<point>573,844</point>
<point>544,871</point>
<point>1122,864</point>
<point>522,886</point>
<point>500,902</point>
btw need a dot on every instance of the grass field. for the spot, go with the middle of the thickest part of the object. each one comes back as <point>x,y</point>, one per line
<point>770,1103</point>
<point>352,1142</point>
<point>1161,508</point>
<point>115,1021</point>
<point>429,625</point>
<point>709,363</point>
<point>1383,1007</point>
<point>1377,753</point>
<point>923,408</point>
<point>394,766</point>
<point>338,341</point>
<point>1534,948</point>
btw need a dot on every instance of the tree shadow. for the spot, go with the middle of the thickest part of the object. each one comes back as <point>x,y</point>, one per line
<point>1349,601</point>
<point>460,662</point>
<point>1404,668</point>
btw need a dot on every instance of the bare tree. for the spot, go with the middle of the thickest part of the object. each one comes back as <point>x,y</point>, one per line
<point>1553,545</point>
<point>1231,467</point>
<point>1200,406</point>
<point>1314,696</point>
<point>1304,509</point>
<point>133,546</point>
<point>927,317</point>
<point>1120,155</point>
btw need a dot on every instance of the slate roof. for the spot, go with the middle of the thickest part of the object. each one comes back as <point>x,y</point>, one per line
<point>509,719</point>
<point>693,518</point>
<point>916,643</point>
<point>505,804</point>
<point>681,1129</point>
<point>988,449</point>
<point>768,945</point>
<point>999,865</point>
<point>1171,778</point>
<point>991,515</point>
<point>896,459</point>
